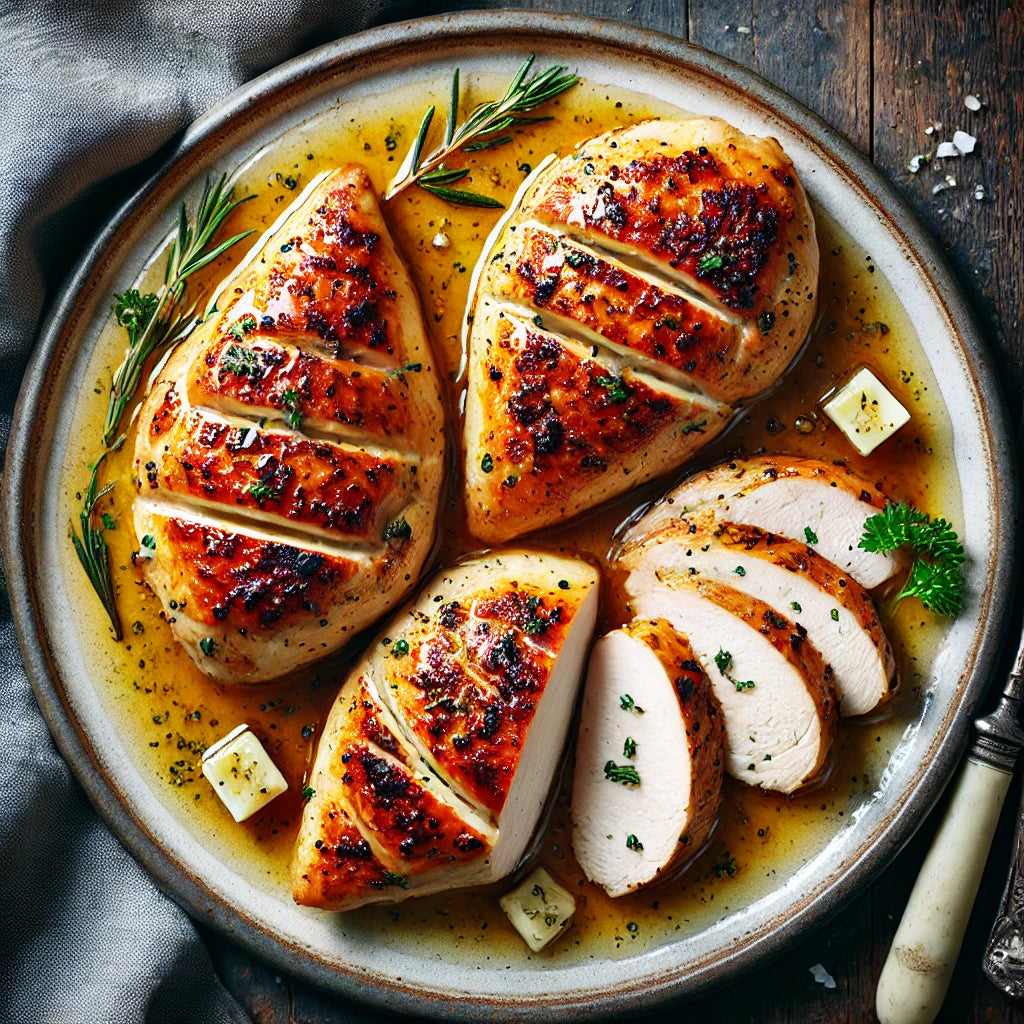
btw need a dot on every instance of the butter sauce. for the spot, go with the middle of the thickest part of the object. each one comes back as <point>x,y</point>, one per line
<point>167,712</point>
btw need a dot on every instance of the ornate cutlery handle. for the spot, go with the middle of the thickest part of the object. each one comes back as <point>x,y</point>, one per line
<point>1004,956</point>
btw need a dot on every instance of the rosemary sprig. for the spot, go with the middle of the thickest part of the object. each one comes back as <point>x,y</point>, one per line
<point>481,130</point>
<point>91,548</point>
<point>154,321</point>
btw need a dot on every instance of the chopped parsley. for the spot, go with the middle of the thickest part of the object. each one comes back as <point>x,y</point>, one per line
<point>740,571</point>
<point>694,427</point>
<point>632,843</point>
<point>723,659</point>
<point>244,326</point>
<point>308,793</point>
<point>397,529</point>
<point>616,387</point>
<point>629,748</point>
<point>795,605</point>
<point>487,463</point>
<point>208,646</point>
<point>742,685</point>
<point>290,404</point>
<point>726,865</point>
<point>835,614</point>
<point>625,774</point>
<point>713,261</point>
<point>262,491</point>
<point>400,648</point>
<point>391,878</point>
<point>765,322</point>
<point>810,535</point>
<point>108,521</point>
<point>628,704</point>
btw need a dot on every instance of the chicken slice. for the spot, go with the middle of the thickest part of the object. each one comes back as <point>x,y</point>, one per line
<point>420,835</point>
<point>820,503</point>
<point>552,428</point>
<point>647,706</point>
<point>473,687</point>
<point>778,698</point>
<point>679,253</point>
<point>290,454</point>
<point>838,615</point>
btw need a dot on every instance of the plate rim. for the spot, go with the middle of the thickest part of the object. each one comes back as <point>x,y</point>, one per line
<point>455,29</point>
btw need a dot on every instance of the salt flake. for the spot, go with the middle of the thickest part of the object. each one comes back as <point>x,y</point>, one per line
<point>822,977</point>
<point>744,30</point>
<point>964,142</point>
<point>972,102</point>
<point>946,149</point>
<point>979,192</point>
<point>440,241</point>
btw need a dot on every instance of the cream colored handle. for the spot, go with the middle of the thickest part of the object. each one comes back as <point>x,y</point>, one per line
<point>920,964</point>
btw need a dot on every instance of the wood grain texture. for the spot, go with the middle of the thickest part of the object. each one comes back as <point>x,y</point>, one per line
<point>880,71</point>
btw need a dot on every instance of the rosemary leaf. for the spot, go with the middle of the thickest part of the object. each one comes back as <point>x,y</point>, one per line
<point>442,176</point>
<point>480,130</point>
<point>459,197</point>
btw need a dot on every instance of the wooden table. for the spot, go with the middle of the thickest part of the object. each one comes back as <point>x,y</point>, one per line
<point>880,72</point>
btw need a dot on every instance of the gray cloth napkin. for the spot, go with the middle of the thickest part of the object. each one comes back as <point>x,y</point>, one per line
<point>89,94</point>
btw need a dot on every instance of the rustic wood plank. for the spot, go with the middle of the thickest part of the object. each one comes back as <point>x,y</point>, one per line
<point>928,56</point>
<point>818,51</point>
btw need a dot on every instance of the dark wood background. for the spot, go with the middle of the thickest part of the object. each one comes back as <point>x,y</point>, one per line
<point>881,73</point>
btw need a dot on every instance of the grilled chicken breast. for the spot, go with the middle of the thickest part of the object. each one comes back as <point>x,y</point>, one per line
<point>290,454</point>
<point>438,756</point>
<point>778,698</point>
<point>838,615</point>
<point>649,758</point>
<point>820,503</point>
<point>649,281</point>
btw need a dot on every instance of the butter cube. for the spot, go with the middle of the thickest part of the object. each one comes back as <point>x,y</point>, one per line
<point>865,411</point>
<point>242,773</point>
<point>539,909</point>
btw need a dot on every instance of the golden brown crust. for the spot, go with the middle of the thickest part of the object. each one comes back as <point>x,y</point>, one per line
<point>704,725</point>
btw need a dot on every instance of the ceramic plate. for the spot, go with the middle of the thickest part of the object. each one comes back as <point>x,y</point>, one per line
<point>411,977</point>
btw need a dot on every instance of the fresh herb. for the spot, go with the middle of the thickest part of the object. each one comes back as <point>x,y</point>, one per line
<point>795,606</point>
<point>625,774</point>
<point>617,390</point>
<point>392,878</point>
<point>694,427</point>
<point>632,843</point>
<point>742,685</point>
<point>935,578</point>
<point>308,793</point>
<point>155,321</point>
<point>208,646</point>
<point>740,571</point>
<point>264,492</point>
<point>538,321</point>
<point>485,128</point>
<point>765,322</point>
<point>242,362</point>
<point>244,326</point>
<point>290,405</point>
<point>108,521</point>
<point>400,648</point>
<point>487,463</point>
<point>723,659</point>
<point>779,622</point>
<point>810,536</point>
<point>628,704</point>
<point>408,368</point>
<point>397,529</point>
<point>713,261</point>
<point>577,259</point>
<point>148,542</point>
<point>835,614</point>
<point>629,748</point>
<point>91,548</point>
<point>726,865</point>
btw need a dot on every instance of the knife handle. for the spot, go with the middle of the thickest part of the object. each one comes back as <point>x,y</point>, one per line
<point>917,971</point>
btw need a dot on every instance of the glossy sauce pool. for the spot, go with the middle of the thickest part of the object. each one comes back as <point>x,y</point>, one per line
<point>169,713</point>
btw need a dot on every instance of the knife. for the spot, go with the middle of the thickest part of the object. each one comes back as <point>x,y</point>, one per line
<point>920,963</point>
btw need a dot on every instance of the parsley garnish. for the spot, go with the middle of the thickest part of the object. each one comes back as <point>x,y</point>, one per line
<point>742,685</point>
<point>208,646</point>
<point>308,793</point>
<point>628,704</point>
<point>935,576</point>
<point>397,529</point>
<point>723,659</point>
<point>264,492</point>
<point>713,261</point>
<point>242,362</point>
<point>391,878</point>
<point>835,614</point>
<point>244,326</point>
<point>740,571</point>
<point>629,748</point>
<point>810,536</point>
<point>400,648</point>
<point>632,843</point>
<point>616,386</point>
<point>487,463</point>
<point>290,404</point>
<point>625,774</point>
<point>795,606</point>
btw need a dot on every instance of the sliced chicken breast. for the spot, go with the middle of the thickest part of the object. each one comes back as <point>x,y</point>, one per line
<point>473,687</point>
<point>838,615</point>
<point>819,503</point>
<point>778,698</point>
<point>556,428</point>
<point>290,454</point>
<point>650,758</point>
<point>414,835</point>
<point>682,252</point>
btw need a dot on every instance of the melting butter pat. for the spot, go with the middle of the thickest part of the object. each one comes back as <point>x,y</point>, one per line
<point>865,411</point>
<point>539,909</point>
<point>242,773</point>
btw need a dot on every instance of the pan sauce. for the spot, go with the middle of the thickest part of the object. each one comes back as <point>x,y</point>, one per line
<point>167,712</point>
